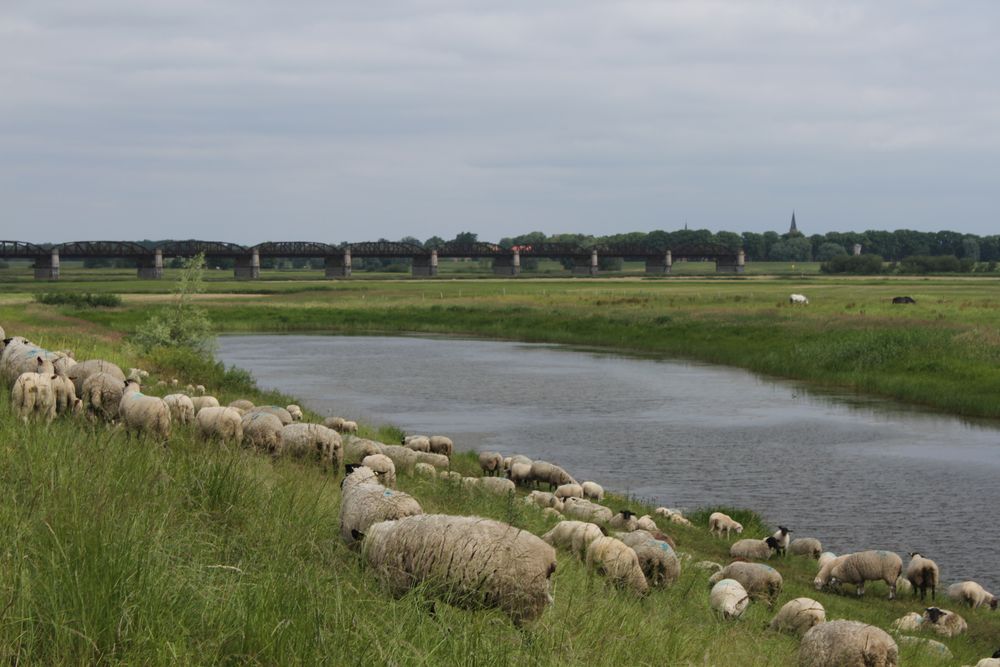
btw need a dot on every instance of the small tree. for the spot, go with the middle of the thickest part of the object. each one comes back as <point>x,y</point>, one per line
<point>181,324</point>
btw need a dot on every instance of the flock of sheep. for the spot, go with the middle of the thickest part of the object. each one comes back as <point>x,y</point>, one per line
<point>478,563</point>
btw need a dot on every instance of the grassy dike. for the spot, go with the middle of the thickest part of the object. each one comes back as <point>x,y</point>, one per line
<point>121,552</point>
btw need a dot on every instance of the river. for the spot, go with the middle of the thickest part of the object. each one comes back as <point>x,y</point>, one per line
<point>857,473</point>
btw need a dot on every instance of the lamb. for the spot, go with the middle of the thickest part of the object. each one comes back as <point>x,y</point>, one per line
<point>805,546</point>
<point>719,523</point>
<point>242,404</point>
<point>198,388</point>
<point>592,491</point>
<point>144,415</point>
<point>218,423</point>
<point>945,623</point>
<point>490,462</point>
<point>275,410</point>
<point>729,598</point>
<point>567,490</point>
<point>646,522</point>
<point>202,402</point>
<point>797,616</point>
<point>79,373</point>
<point>442,445</point>
<point>783,537</point>
<point>315,441</point>
<point>922,573</point>
<point>102,394</point>
<point>754,549</point>
<point>181,408</point>
<point>624,520</point>
<point>544,499</point>
<point>467,561</point>
<point>65,396</point>
<point>418,443</point>
<point>657,558</point>
<point>857,568</point>
<point>356,449</point>
<point>383,466</point>
<point>295,411</point>
<point>365,502</point>
<point>847,644</point>
<point>760,581</point>
<point>972,594</point>
<point>33,395</point>
<point>586,510</point>
<point>799,299</point>
<point>617,562</point>
<point>262,431</point>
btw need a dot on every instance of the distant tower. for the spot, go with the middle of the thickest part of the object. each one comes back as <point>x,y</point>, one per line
<point>793,230</point>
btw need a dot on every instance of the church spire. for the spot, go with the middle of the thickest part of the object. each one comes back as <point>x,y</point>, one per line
<point>793,229</point>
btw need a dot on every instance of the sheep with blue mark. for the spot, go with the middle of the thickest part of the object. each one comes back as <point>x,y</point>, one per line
<point>365,502</point>
<point>145,416</point>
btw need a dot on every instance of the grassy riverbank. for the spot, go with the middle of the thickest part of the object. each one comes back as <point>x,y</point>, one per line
<point>119,552</point>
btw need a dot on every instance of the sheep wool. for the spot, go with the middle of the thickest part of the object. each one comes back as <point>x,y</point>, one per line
<point>569,490</point>
<point>922,573</point>
<point>65,396</point>
<point>573,536</point>
<point>144,415</point>
<point>728,598</point>
<point>558,477</point>
<point>972,594</point>
<point>708,566</point>
<point>857,568</point>
<point>262,431</point>
<point>34,396</point>
<point>624,520</point>
<point>102,394</point>
<point>242,404</point>
<point>825,558</point>
<point>418,443</point>
<point>222,424</point>
<point>520,473</point>
<point>540,472</point>
<point>295,412</point>
<point>383,466</point>
<point>552,513</point>
<point>944,622</point>
<point>404,458</point>
<point>752,549</point>
<point>797,616</point>
<point>275,410</point>
<point>315,441</point>
<point>424,470</point>
<point>929,646</point>
<point>491,463</point>
<point>497,485</point>
<point>467,561</point>
<point>657,558</point>
<point>202,402</point>
<point>439,461</point>
<point>847,644</point>
<point>646,522</point>
<point>368,502</point>
<point>586,510</point>
<point>618,563</point>
<point>442,445</point>
<point>908,623</point>
<point>719,523</point>
<point>760,581</point>
<point>592,491</point>
<point>805,546</point>
<point>544,499</point>
<point>356,449</point>
<point>181,408</point>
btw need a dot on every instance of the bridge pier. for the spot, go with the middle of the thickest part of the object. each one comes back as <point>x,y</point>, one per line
<point>507,266</point>
<point>585,266</point>
<point>729,265</point>
<point>248,268</point>
<point>660,265</point>
<point>425,266</point>
<point>151,268</point>
<point>47,266</point>
<point>338,266</point>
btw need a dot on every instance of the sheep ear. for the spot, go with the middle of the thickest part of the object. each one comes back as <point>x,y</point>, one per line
<point>357,535</point>
<point>351,467</point>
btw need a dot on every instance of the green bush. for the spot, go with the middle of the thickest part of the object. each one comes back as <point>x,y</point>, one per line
<point>78,299</point>
<point>182,324</point>
<point>922,264</point>
<point>866,265</point>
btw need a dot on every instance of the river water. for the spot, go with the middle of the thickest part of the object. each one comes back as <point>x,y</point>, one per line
<point>856,473</point>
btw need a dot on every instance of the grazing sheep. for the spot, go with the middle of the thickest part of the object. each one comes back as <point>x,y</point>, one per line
<point>754,549</point>
<point>719,523</point>
<point>645,522</point>
<point>497,485</point>
<point>242,404</point>
<point>857,568</point>
<point>275,410</point>
<point>198,388</point>
<point>365,502</point>
<point>617,562</point>
<point>313,441</point>
<point>356,449</point>
<point>349,427</point>
<point>442,445</point>
<point>805,546</point>
<point>102,394</point>
<point>491,463</point>
<point>448,475</point>
<point>202,402</point>
<point>383,466</point>
<point>761,581</point>
<point>847,644</point>
<point>181,408</point>
<point>34,396</point>
<point>972,594</point>
<point>558,477</point>
<point>783,537</point>
<point>424,470</point>
<point>65,396</point>
<point>657,558</point>
<point>467,561</point>
<point>569,490</point>
<point>944,622</point>
<point>439,461</point>
<point>418,443</point>
<point>137,374</point>
<point>520,472</point>
<point>262,431</point>
<point>624,520</point>
<point>544,499</point>
<point>593,491</point>
<point>404,458</point>
<point>552,513</point>
<point>586,510</point>
<point>922,573</point>
<point>539,473</point>
<point>295,412</point>
<point>729,598</point>
<point>222,424</point>
<point>797,616</point>
<point>798,299</point>
<point>825,558</point>
<point>144,415</point>
<point>336,423</point>
<point>26,361</point>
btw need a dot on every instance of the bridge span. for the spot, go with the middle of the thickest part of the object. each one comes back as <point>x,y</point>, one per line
<point>338,258</point>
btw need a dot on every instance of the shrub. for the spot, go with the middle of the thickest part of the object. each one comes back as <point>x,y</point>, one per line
<point>78,299</point>
<point>921,264</point>
<point>856,264</point>
<point>182,324</point>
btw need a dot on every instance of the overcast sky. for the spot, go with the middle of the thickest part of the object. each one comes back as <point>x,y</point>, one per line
<point>247,121</point>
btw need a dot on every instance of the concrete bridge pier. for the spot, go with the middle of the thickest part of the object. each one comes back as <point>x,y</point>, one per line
<point>425,266</point>
<point>151,268</point>
<point>585,266</point>
<point>660,265</point>
<point>47,266</point>
<point>248,268</point>
<point>338,266</point>
<point>507,266</point>
<point>731,265</point>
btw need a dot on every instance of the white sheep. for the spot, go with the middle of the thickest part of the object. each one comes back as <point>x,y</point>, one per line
<point>754,549</point>
<point>295,412</point>
<point>222,424</point>
<point>275,410</point>
<point>569,490</point>
<point>729,598</point>
<point>383,466</point>
<point>922,573</point>
<point>520,472</point>
<point>262,431</point>
<point>798,299</point>
<point>467,561</point>
<point>349,426</point>
<point>79,373</point>
<point>356,449</point>
<point>198,388</point>
<point>646,522</point>
<point>424,470</point>
<point>806,546</point>
<point>624,520</point>
<point>761,581</point>
<point>908,623</point>
<point>592,491</point>
<point>797,616</point>
<point>144,415</point>
<point>672,515</point>
<point>558,477</point>
<point>442,445</point>
<point>586,510</point>
<point>618,563</point>
<point>65,396</point>
<point>102,394</point>
<point>497,485</point>
<point>137,374</point>
<point>658,560</point>
<point>181,408</point>
<point>544,499</point>
<point>202,402</point>
<point>490,463</point>
<point>857,568</point>
<point>929,646</point>
<point>944,622</point>
<point>972,594</point>
<point>242,404</point>
<point>573,536</point>
<point>439,461</point>
<point>404,458</point>
<point>719,523</point>
<point>708,566</point>
<point>552,513</point>
<point>313,441</point>
<point>33,396</point>
<point>365,502</point>
<point>783,537</point>
<point>847,644</point>
<point>825,558</point>
<point>418,443</point>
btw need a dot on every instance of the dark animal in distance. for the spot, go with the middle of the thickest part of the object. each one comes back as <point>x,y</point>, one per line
<point>903,299</point>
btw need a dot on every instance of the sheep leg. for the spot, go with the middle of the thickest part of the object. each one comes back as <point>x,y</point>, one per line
<point>861,589</point>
